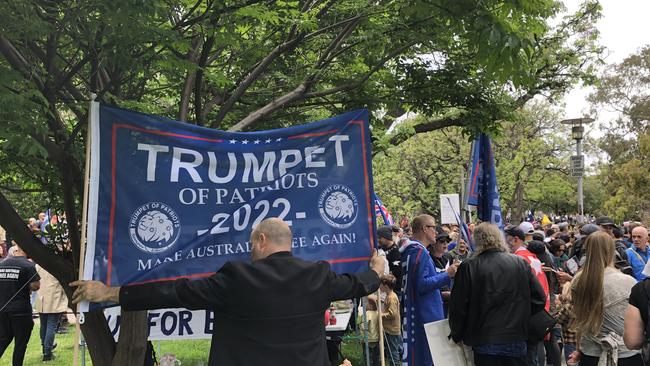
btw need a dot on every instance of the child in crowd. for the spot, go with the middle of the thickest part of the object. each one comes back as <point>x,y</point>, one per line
<point>390,318</point>
<point>565,318</point>
<point>372,316</point>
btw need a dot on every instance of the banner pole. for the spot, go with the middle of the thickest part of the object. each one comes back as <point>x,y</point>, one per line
<point>84,220</point>
<point>381,330</point>
<point>365,331</point>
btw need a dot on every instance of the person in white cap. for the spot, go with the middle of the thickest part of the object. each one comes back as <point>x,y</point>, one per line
<point>528,229</point>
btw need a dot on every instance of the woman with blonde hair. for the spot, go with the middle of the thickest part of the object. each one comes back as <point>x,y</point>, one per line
<point>600,296</point>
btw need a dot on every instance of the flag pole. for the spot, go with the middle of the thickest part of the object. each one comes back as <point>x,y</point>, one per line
<point>365,330</point>
<point>84,220</point>
<point>461,227</point>
<point>381,329</point>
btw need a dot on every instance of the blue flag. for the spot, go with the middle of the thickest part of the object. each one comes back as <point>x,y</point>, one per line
<point>464,230</point>
<point>170,199</point>
<point>482,189</point>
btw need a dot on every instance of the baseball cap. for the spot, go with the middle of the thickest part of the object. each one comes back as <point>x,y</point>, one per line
<point>536,247</point>
<point>526,227</point>
<point>442,236</point>
<point>589,229</point>
<point>385,232</point>
<point>515,231</point>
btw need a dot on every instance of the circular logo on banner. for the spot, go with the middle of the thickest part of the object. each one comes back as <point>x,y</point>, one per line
<point>338,206</point>
<point>154,227</point>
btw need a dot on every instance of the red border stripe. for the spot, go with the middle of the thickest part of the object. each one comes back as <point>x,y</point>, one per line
<point>314,134</point>
<point>109,267</point>
<point>163,133</point>
<point>347,260</point>
<point>367,183</point>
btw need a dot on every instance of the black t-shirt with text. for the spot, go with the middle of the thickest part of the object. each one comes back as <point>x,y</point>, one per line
<point>14,273</point>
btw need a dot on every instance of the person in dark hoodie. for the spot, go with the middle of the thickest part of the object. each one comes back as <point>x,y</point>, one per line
<point>385,236</point>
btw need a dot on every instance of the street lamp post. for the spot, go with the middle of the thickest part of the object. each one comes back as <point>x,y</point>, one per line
<point>577,161</point>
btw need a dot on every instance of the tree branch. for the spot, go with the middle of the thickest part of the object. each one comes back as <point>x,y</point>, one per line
<point>253,76</point>
<point>18,62</point>
<point>363,79</point>
<point>270,107</point>
<point>189,81</point>
<point>266,62</point>
<point>18,190</point>
<point>429,126</point>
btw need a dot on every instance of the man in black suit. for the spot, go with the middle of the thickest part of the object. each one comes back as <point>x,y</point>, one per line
<point>268,312</point>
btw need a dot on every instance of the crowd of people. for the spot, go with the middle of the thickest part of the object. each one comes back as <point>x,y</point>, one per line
<point>582,283</point>
<point>28,291</point>
<point>528,294</point>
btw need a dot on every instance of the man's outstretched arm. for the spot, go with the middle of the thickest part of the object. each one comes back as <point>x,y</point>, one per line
<point>203,293</point>
<point>94,291</point>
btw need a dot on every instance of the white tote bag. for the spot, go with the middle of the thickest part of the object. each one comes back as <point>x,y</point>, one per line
<point>443,350</point>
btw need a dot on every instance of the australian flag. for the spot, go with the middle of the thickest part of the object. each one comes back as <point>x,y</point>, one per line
<point>482,189</point>
<point>380,209</point>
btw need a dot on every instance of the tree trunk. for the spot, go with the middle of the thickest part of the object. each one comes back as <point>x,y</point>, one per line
<point>518,209</point>
<point>100,342</point>
<point>134,332</point>
<point>101,345</point>
<point>98,337</point>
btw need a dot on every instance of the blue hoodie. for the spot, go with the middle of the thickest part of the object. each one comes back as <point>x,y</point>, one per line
<point>421,300</point>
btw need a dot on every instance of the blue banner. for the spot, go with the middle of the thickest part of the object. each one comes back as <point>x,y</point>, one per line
<point>170,199</point>
<point>482,189</point>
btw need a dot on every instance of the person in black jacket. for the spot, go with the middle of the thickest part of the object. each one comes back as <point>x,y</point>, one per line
<point>18,277</point>
<point>393,256</point>
<point>268,312</point>
<point>493,298</point>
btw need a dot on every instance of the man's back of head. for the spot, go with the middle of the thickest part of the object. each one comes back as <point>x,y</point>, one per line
<point>270,236</point>
<point>15,251</point>
<point>276,230</point>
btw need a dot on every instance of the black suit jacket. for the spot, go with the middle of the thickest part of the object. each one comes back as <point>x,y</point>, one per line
<point>269,312</point>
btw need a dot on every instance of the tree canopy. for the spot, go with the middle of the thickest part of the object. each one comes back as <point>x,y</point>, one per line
<point>625,88</point>
<point>531,156</point>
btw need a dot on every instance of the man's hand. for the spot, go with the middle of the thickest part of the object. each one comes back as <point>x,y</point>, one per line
<point>563,277</point>
<point>451,270</point>
<point>94,291</point>
<point>377,263</point>
<point>574,358</point>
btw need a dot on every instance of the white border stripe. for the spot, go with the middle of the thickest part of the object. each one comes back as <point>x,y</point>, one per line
<point>92,198</point>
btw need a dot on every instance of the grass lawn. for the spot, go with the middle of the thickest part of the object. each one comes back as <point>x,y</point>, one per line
<point>189,352</point>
